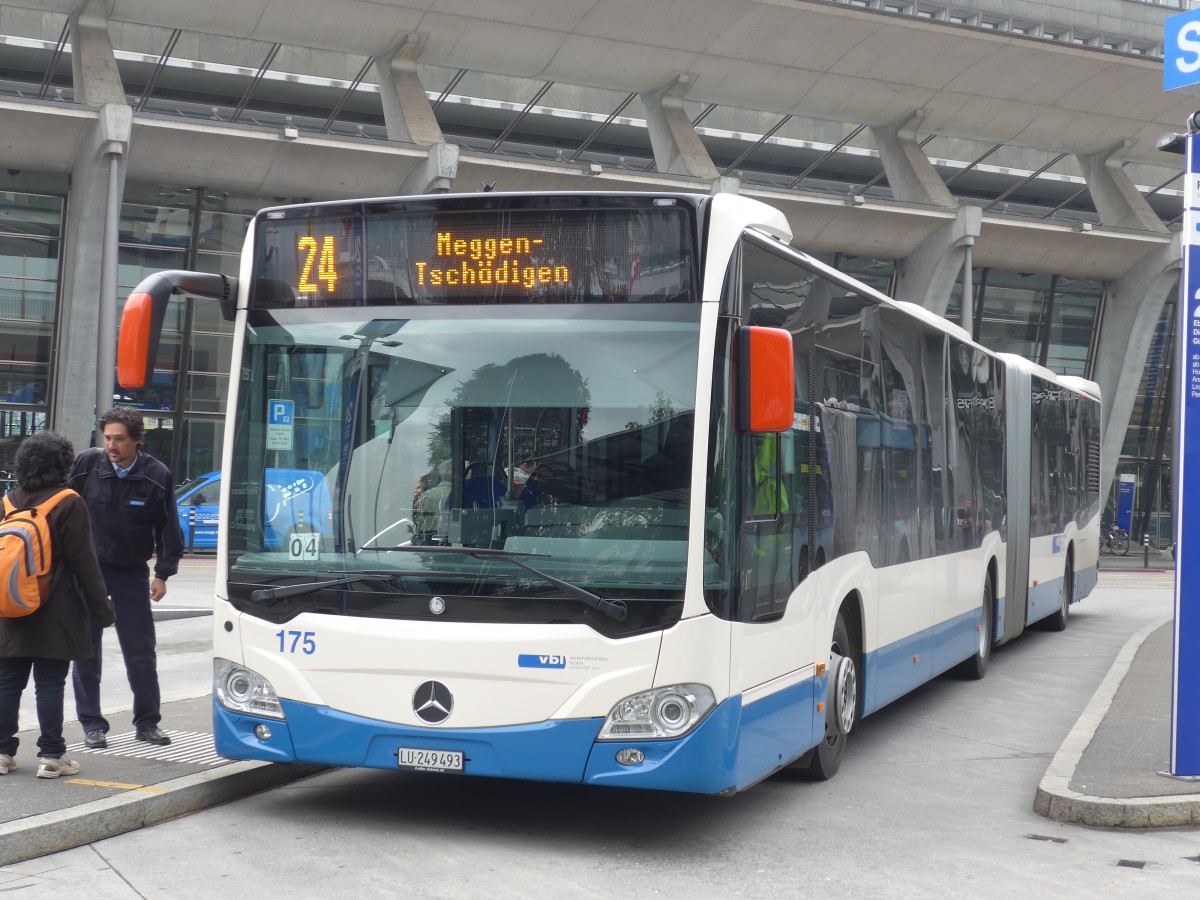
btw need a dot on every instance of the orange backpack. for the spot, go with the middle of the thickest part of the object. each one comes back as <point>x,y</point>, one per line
<point>25,555</point>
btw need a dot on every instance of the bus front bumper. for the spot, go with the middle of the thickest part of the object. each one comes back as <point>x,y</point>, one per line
<point>703,761</point>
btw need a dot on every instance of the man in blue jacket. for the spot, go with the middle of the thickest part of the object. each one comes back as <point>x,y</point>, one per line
<point>130,497</point>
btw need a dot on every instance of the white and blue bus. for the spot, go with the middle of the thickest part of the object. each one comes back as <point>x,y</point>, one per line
<point>623,490</point>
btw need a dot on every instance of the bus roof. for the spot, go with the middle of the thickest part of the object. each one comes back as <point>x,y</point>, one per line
<point>1083,385</point>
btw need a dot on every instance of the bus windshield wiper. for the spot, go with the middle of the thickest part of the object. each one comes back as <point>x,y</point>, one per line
<point>613,608</point>
<point>282,592</point>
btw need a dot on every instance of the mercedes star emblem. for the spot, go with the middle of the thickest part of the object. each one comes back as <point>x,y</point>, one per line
<point>432,702</point>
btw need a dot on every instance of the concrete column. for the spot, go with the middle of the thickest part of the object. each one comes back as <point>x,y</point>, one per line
<point>94,71</point>
<point>1117,198</point>
<point>90,239</point>
<point>677,148</point>
<point>928,275</point>
<point>406,110</point>
<point>966,311</point>
<point>1132,308</point>
<point>725,184</point>
<point>436,174</point>
<point>910,175</point>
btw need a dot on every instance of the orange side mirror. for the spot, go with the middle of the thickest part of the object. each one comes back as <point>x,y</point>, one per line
<point>766,368</point>
<point>138,344</point>
<point>145,310</point>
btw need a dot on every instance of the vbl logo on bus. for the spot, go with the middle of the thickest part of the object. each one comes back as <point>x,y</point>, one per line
<point>541,661</point>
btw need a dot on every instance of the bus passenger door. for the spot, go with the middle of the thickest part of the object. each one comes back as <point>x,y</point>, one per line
<point>767,532</point>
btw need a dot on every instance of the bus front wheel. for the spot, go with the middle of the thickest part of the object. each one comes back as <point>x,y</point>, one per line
<point>823,761</point>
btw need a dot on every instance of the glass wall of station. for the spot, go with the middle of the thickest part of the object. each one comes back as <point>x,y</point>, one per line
<point>31,229</point>
<point>164,227</point>
<point>161,227</point>
<point>1149,440</point>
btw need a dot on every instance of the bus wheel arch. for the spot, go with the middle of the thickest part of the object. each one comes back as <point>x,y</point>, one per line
<point>845,698</point>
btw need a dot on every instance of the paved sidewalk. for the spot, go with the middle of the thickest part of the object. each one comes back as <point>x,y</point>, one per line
<point>1112,770</point>
<point>128,786</point>
<point>132,784</point>
<point>1139,559</point>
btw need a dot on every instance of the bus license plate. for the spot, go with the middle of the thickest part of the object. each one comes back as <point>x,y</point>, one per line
<point>430,760</point>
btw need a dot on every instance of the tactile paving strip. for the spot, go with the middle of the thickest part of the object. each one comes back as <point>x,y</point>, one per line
<point>194,747</point>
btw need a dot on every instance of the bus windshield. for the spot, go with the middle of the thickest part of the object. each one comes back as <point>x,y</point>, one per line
<point>560,433</point>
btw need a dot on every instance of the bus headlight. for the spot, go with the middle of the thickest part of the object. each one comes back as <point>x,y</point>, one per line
<point>666,712</point>
<point>239,689</point>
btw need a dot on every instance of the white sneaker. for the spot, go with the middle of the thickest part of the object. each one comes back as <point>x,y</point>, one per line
<point>52,768</point>
<point>7,764</point>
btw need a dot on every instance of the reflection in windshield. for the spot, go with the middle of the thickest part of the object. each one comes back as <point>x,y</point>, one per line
<point>529,432</point>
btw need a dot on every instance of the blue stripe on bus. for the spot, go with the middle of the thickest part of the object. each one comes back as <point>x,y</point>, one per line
<point>234,738</point>
<point>733,748</point>
<point>1044,599</point>
<point>547,751</point>
<point>894,670</point>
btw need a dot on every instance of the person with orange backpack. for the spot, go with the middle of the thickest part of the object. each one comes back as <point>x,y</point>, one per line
<point>51,584</point>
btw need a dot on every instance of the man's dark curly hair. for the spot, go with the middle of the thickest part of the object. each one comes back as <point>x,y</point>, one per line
<point>43,460</point>
<point>127,416</point>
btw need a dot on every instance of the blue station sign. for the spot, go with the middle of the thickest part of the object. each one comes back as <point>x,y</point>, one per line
<point>1185,681</point>
<point>1181,52</point>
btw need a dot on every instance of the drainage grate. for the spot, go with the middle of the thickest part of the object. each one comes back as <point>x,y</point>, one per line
<point>1045,837</point>
<point>1132,863</point>
<point>194,747</point>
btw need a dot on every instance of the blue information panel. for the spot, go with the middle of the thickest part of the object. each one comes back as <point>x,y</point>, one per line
<point>1125,505</point>
<point>1185,686</point>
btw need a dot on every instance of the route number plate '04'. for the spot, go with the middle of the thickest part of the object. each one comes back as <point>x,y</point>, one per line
<point>430,760</point>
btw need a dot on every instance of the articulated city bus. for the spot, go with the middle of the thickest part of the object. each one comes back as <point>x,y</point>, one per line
<point>623,489</point>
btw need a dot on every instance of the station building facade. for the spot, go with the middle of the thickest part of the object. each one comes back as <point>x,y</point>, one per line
<point>142,137</point>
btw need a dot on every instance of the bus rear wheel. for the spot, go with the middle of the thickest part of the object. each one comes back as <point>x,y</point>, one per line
<point>976,667</point>
<point>823,761</point>
<point>1058,621</point>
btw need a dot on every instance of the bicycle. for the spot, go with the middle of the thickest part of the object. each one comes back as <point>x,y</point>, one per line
<point>1114,540</point>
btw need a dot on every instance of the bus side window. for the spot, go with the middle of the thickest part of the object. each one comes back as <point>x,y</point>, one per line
<point>767,534</point>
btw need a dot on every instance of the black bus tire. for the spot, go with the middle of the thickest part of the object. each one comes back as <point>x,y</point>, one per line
<point>976,667</point>
<point>824,760</point>
<point>1058,621</point>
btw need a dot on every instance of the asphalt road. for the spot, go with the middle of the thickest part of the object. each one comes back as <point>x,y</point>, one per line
<point>935,799</point>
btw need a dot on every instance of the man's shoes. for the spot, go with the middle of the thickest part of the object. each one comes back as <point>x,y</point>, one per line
<point>153,736</point>
<point>95,740</point>
<point>7,763</point>
<point>52,768</point>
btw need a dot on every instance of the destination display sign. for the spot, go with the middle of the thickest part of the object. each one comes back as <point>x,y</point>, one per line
<point>372,257</point>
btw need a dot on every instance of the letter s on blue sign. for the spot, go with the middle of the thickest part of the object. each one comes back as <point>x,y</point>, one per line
<point>1188,43</point>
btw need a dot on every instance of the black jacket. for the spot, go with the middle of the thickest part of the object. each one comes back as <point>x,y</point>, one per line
<point>133,518</point>
<point>59,628</point>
